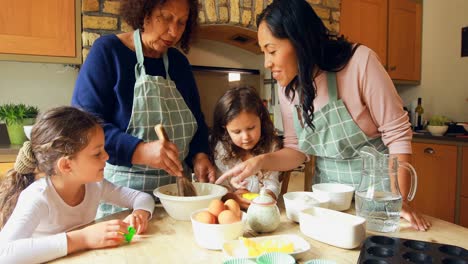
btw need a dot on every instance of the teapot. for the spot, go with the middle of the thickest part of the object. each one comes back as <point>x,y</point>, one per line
<point>378,197</point>
<point>263,214</point>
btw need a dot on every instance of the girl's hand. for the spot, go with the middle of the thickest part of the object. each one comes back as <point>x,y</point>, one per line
<point>417,221</point>
<point>241,171</point>
<point>204,170</point>
<point>139,220</point>
<point>237,196</point>
<point>100,235</point>
<point>160,154</point>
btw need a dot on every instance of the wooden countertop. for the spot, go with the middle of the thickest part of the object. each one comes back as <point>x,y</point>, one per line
<point>171,241</point>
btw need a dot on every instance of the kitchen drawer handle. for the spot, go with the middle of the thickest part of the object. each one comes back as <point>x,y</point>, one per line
<point>392,68</point>
<point>429,151</point>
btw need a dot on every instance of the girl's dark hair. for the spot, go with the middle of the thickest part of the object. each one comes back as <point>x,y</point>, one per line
<point>228,107</point>
<point>316,48</point>
<point>59,132</point>
<point>134,13</point>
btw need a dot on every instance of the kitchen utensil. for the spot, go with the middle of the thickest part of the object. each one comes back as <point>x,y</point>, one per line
<point>181,207</point>
<point>184,185</point>
<point>378,197</point>
<point>332,227</point>
<point>383,249</point>
<point>263,214</point>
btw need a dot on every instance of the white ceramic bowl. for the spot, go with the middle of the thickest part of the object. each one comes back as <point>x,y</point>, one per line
<point>340,194</point>
<point>213,236</point>
<point>180,207</point>
<point>437,130</point>
<point>298,201</point>
<point>332,227</point>
<point>27,131</point>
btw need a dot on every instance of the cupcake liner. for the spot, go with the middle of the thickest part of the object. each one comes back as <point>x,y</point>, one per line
<point>275,258</point>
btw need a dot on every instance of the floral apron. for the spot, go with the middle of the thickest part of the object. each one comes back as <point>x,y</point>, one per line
<point>336,140</point>
<point>155,100</point>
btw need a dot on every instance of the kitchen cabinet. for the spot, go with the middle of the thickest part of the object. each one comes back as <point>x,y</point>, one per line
<point>392,28</point>
<point>41,31</point>
<point>464,189</point>
<point>436,166</point>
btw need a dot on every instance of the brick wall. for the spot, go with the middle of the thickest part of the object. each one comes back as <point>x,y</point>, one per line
<point>100,17</point>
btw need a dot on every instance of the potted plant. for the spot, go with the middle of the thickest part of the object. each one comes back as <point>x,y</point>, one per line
<point>438,125</point>
<point>15,117</point>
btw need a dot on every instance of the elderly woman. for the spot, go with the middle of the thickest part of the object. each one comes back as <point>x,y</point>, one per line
<point>135,80</point>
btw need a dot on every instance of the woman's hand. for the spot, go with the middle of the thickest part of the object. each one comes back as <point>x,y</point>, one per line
<point>417,221</point>
<point>203,169</point>
<point>241,171</point>
<point>100,235</point>
<point>237,196</point>
<point>139,220</point>
<point>159,154</point>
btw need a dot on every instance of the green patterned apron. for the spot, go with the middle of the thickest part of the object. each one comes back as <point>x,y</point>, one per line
<point>336,140</point>
<point>155,100</point>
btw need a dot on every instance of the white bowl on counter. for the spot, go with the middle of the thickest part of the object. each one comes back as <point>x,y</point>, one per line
<point>437,130</point>
<point>295,202</point>
<point>213,236</point>
<point>340,195</point>
<point>332,227</point>
<point>181,207</point>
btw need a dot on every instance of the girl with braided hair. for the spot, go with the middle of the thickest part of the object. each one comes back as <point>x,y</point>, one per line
<point>36,217</point>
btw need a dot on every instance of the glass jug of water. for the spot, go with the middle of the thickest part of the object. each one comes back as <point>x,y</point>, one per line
<point>378,197</point>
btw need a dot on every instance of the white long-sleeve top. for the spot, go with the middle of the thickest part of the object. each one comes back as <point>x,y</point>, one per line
<point>270,179</point>
<point>35,232</point>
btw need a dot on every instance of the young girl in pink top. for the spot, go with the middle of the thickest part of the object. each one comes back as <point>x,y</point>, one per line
<point>335,98</point>
<point>40,220</point>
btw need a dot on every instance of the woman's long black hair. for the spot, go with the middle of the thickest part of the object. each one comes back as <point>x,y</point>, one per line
<point>316,49</point>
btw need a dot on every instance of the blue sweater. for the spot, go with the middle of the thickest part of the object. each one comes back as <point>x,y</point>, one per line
<point>105,88</point>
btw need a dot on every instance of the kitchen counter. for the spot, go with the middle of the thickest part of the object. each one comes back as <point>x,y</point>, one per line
<point>427,137</point>
<point>171,241</point>
<point>8,153</point>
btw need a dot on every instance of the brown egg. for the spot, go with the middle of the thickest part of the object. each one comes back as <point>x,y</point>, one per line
<point>205,217</point>
<point>227,217</point>
<point>232,205</point>
<point>216,207</point>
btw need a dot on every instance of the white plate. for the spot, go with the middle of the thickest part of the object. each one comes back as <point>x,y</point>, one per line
<point>231,248</point>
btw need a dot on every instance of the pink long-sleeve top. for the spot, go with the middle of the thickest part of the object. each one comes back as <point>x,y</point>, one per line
<point>370,97</point>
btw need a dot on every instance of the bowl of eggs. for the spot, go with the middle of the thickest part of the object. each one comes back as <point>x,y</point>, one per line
<point>218,223</point>
<point>181,207</point>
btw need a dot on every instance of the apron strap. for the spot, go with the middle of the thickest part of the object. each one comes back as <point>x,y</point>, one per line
<point>166,65</point>
<point>139,67</point>
<point>332,88</point>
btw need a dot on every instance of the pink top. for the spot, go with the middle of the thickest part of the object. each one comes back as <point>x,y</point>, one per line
<point>370,97</point>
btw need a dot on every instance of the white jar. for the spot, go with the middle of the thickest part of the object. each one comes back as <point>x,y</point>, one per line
<point>263,214</point>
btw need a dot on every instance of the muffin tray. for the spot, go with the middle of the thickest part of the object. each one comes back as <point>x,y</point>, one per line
<point>387,250</point>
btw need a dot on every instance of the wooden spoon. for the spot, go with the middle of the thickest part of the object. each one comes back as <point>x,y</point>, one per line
<point>184,185</point>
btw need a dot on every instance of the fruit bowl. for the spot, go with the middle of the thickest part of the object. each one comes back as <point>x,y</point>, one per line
<point>437,130</point>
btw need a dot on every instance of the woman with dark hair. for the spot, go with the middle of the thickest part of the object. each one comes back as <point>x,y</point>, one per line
<point>335,98</point>
<point>136,80</point>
